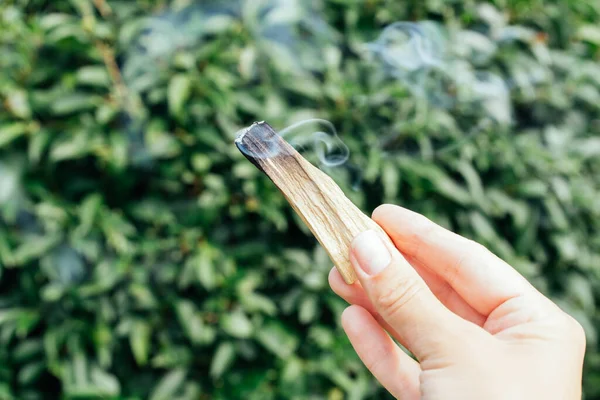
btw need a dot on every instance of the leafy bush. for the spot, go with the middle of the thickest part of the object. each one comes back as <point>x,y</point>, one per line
<point>142,256</point>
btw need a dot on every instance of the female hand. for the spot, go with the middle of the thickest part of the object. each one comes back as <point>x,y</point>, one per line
<point>478,329</point>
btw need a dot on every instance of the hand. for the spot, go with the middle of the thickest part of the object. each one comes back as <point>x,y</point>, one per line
<point>478,329</point>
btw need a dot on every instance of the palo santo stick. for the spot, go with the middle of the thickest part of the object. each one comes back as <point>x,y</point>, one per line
<point>330,215</point>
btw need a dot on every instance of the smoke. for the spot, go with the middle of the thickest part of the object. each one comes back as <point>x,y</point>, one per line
<point>406,47</point>
<point>290,34</point>
<point>445,70</point>
<point>282,36</point>
<point>490,92</point>
<point>414,53</point>
<point>284,31</point>
<point>156,46</point>
<point>320,137</point>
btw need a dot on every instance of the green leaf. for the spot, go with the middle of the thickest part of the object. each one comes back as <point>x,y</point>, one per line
<point>37,146</point>
<point>52,20</point>
<point>218,24</point>
<point>117,231</point>
<point>162,144</point>
<point>257,302</point>
<point>247,64</point>
<point>178,93</point>
<point>390,178</point>
<point>434,176</point>
<point>533,188</point>
<point>277,339</point>
<point>222,359</point>
<point>20,320</point>
<point>70,148</point>
<point>483,227</point>
<point>292,371</point>
<point>205,268</point>
<point>93,75</point>
<point>107,383</point>
<point>11,132</point>
<point>588,147</point>
<point>139,340</point>
<point>88,212</point>
<point>237,324</point>
<point>193,324</point>
<point>34,248</point>
<point>74,102</point>
<point>201,163</point>
<point>29,374</point>
<point>589,33</point>
<point>473,182</point>
<point>580,290</point>
<point>308,309</point>
<point>169,386</point>
<point>28,350</point>
<point>18,104</point>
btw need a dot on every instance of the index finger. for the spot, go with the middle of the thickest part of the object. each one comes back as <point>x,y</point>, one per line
<point>481,278</point>
<point>423,325</point>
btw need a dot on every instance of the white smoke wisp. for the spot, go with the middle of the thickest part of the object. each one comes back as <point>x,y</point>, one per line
<point>406,47</point>
<point>320,137</point>
<point>443,69</point>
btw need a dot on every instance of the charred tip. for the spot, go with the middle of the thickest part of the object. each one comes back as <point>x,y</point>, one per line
<point>257,131</point>
<point>240,135</point>
<point>258,142</point>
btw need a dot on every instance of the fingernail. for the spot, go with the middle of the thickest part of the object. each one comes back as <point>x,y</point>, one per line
<point>369,253</point>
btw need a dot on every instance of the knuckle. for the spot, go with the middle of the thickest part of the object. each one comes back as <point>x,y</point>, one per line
<point>375,364</point>
<point>477,249</point>
<point>474,252</point>
<point>571,332</point>
<point>394,296</point>
<point>418,237</point>
<point>576,332</point>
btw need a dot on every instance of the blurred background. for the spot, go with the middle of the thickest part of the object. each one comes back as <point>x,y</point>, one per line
<point>142,257</point>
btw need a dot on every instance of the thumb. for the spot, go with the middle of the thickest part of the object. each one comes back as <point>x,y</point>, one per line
<point>404,301</point>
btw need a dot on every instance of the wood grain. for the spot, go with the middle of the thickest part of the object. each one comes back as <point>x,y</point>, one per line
<point>322,205</point>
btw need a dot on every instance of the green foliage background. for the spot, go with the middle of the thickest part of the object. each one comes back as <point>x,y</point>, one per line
<point>141,256</point>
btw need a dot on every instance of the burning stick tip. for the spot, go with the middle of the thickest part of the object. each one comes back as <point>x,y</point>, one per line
<point>240,135</point>
<point>258,142</point>
<point>255,136</point>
